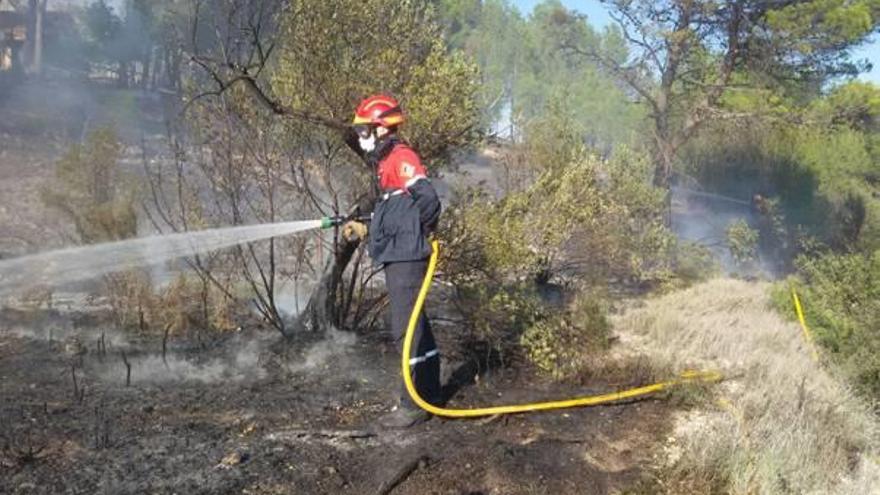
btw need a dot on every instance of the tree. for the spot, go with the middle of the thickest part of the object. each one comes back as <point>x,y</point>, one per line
<point>92,190</point>
<point>689,54</point>
<point>103,27</point>
<point>493,34</point>
<point>604,114</point>
<point>523,73</point>
<point>288,80</point>
<point>136,41</point>
<point>125,43</point>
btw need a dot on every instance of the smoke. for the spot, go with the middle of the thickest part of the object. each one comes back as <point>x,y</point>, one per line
<point>292,299</point>
<point>242,365</point>
<point>334,345</point>
<point>58,330</point>
<point>703,218</point>
<point>239,359</point>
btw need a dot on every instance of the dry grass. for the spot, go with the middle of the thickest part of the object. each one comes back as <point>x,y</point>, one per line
<point>781,424</point>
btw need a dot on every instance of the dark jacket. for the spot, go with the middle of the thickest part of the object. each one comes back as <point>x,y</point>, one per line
<point>408,208</point>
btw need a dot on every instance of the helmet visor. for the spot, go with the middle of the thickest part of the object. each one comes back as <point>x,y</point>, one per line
<point>363,130</point>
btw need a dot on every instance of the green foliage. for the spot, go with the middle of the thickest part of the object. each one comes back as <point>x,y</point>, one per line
<point>582,224</point>
<point>115,41</point>
<point>742,241</point>
<point>92,191</point>
<point>560,344</point>
<point>595,218</point>
<point>694,263</point>
<point>102,26</point>
<point>526,76</point>
<point>833,194</point>
<point>840,295</point>
<point>816,182</point>
<point>335,53</point>
<point>809,28</point>
<point>855,104</point>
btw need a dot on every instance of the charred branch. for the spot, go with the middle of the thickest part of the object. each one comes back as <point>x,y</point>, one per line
<point>127,368</point>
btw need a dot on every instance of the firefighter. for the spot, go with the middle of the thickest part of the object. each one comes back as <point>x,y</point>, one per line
<point>404,217</point>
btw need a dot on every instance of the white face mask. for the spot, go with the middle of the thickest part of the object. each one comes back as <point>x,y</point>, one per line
<point>368,144</point>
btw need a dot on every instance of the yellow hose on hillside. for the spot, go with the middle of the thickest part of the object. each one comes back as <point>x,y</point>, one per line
<point>808,337</point>
<point>686,377</point>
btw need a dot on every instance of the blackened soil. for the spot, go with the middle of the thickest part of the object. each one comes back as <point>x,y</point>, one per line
<point>303,424</point>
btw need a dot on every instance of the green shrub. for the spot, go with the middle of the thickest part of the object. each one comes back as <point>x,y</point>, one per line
<point>560,344</point>
<point>591,220</point>
<point>92,191</point>
<point>694,263</point>
<point>581,225</point>
<point>742,241</point>
<point>498,314</point>
<point>840,295</point>
<point>822,180</point>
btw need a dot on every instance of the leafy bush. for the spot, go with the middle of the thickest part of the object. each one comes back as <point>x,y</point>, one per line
<point>183,308</point>
<point>822,175</point>
<point>589,220</point>
<point>840,295</point>
<point>560,343</point>
<point>579,225</point>
<point>742,241</point>
<point>96,196</point>
<point>694,262</point>
<point>327,45</point>
<point>92,191</point>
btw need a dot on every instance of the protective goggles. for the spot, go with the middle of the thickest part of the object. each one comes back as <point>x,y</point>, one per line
<point>364,130</point>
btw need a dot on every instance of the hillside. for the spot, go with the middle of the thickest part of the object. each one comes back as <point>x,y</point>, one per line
<point>780,422</point>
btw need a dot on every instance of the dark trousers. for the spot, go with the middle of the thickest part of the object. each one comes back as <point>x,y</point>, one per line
<point>404,279</point>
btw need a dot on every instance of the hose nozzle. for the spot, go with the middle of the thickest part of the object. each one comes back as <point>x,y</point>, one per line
<point>330,222</point>
<point>338,220</point>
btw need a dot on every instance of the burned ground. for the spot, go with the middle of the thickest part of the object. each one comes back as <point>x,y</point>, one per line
<point>251,414</point>
<point>245,412</point>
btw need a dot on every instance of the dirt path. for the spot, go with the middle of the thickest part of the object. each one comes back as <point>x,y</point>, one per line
<point>240,419</point>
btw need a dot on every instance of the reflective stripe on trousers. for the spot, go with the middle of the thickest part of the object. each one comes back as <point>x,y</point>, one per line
<point>421,359</point>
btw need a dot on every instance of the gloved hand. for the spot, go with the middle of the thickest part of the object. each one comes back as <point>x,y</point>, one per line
<point>353,231</point>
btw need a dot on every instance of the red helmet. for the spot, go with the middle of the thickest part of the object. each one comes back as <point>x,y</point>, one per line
<point>381,110</point>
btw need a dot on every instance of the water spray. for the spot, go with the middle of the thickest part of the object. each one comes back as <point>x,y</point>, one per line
<point>85,262</point>
<point>75,264</point>
<point>708,195</point>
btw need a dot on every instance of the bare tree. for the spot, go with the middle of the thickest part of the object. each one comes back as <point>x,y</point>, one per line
<point>269,144</point>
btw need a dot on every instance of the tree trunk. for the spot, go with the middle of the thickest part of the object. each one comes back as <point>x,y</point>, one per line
<point>40,14</point>
<point>123,74</point>
<point>173,69</point>
<point>663,158</point>
<point>146,62</point>
<point>322,312</point>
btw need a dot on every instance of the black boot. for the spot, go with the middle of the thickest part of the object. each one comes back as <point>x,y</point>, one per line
<point>402,417</point>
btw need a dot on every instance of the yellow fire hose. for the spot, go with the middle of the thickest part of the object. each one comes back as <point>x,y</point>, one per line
<point>808,337</point>
<point>686,377</point>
